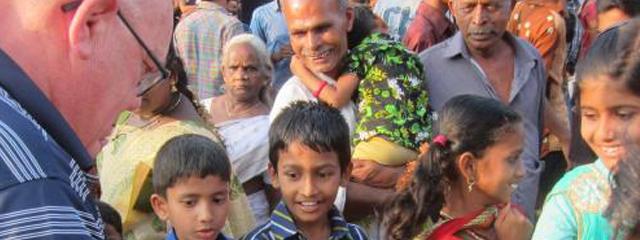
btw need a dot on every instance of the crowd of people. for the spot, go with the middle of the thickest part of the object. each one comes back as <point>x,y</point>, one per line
<point>320,119</point>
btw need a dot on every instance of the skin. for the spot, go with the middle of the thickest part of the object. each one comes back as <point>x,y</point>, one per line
<point>495,176</point>
<point>610,18</point>
<point>244,76</point>
<point>156,99</point>
<point>482,23</point>
<point>111,233</point>
<point>610,118</point>
<point>318,33</point>
<point>309,181</point>
<point>70,67</point>
<point>196,207</point>
<point>320,26</point>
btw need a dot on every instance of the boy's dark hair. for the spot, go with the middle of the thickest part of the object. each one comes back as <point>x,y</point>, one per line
<point>189,155</point>
<point>110,216</point>
<point>314,125</point>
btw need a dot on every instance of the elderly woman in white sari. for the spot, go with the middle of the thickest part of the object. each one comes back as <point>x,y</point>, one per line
<point>241,116</point>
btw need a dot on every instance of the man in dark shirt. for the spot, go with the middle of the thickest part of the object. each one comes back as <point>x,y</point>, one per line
<point>67,68</point>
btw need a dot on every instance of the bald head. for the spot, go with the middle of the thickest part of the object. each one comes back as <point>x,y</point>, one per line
<point>318,32</point>
<point>81,55</point>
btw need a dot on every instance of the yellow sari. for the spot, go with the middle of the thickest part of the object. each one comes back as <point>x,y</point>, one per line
<point>125,166</point>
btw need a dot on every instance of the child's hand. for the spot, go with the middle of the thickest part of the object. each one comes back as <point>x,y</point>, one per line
<point>374,174</point>
<point>282,53</point>
<point>297,66</point>
<point>512,224</point>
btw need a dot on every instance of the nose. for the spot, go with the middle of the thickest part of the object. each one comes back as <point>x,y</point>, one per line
<point>520,171</point>
<point>479,15</point>
<point>309,189</point>
<point>241,74</point>
<point>313,40</point>
<point>606,130</point>
<point>205,212</point>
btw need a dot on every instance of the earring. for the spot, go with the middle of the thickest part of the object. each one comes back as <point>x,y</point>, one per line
<point>470,184</point>
<point>174,89</point>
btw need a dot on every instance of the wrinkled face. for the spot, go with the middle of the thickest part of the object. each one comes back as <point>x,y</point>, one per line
<point>500,169</point>
<point>318,32</point>
<point>244,75</point>
<point>308,181</point>
<point>610,117</point>
<point>196,207</point>
<point>482,22</point>
<point>106,82</point>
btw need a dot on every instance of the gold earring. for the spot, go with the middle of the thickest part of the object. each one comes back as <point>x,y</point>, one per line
<point>470,184</point>
<point>174,89</point>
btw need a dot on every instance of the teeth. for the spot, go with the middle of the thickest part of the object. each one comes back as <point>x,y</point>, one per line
<point>309,203</point>
<point>514,186</point>
<point>321,54</point>
<point>610,150</point>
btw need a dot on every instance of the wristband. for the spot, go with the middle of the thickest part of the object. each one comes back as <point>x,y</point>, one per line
<point>317,92</point>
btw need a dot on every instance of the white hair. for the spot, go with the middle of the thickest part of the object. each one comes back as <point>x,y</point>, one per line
<point>264,58</point>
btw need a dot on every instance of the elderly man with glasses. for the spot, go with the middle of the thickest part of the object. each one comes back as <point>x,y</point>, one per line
<point>67,68</point>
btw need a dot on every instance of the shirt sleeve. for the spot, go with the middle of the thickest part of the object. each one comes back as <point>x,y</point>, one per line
<point>256,25</point>
<point>47,209</point>
<point>557,221</point>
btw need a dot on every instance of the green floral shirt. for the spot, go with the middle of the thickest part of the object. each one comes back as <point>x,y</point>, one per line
<point>391,98</point>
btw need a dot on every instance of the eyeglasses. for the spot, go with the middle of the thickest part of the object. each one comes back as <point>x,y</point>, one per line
<point>149,80</point>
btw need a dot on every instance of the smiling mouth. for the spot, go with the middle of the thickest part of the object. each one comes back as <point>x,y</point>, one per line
<point>309,206</point>
<point>611,151</point>
<point>320,55</point>
<point>513,186</point>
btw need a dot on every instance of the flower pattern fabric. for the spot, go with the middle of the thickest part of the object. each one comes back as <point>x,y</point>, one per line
<point>391,98</point>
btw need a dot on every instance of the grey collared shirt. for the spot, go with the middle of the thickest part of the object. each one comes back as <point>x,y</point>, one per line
<point>451,71</point>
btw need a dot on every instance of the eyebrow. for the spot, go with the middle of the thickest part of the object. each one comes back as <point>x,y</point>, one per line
<point>196,195</point>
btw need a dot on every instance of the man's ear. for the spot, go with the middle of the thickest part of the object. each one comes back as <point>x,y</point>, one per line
<point>350,18</point>
<point>159,205</point>
<point>273,174</point>
<point>346,174</point>
<point>451,9</point>
<point>89,23</point>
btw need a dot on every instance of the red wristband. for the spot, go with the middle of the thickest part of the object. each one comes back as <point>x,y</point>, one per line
<point>317,92</point>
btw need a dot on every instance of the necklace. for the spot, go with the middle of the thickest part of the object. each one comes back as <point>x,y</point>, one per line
<point>241,113</point>
<point>156,118</point>
<point>171,107</point>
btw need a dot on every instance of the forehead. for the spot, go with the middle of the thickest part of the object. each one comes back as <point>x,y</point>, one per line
<point>481,2</point>
<point>512,139</point>
<point>298,155</point>
<point>195,185</point>
<point>604,91</point>
<point>308,13</point>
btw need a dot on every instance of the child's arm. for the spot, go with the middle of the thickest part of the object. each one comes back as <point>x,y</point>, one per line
<point>336,96</point>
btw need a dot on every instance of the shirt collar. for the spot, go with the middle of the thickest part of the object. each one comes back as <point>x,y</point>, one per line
<point>282,224</point>
<point>172,236</point>
<point>210,6</point>
<point>21,88</point>
<point>456,46</point>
